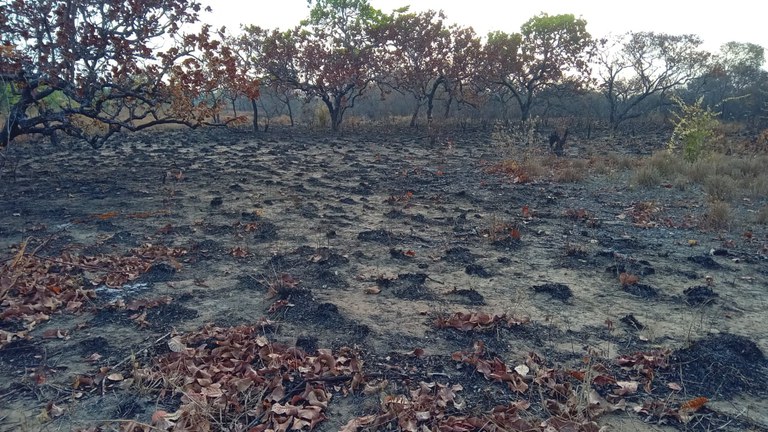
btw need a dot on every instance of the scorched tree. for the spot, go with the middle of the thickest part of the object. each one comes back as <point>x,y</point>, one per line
<point>91,68</point>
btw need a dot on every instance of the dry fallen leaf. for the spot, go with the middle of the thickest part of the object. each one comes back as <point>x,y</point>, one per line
<point>176,345</point>
<point>93,358</point>
<point>239,252</point>
<point>522,370</point>
<point>373,290</point>
<point>628,279</point>
<point>626,387</point>
<point>54,410</point>
<point>115,376</point>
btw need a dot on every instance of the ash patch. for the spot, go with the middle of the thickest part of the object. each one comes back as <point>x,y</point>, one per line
<point>477,270</point>
<point>469,296</point>
<point>165,316</point>
<point>408,286</point>
<point>459,255</point>
<point>721,366</point>
<point>705,261</point>
<point>641,290</point>
<point>700,294</point>
<point>158,272</point>
<point>556,291</point>
<point>21,354</point>
<point>377,236</point>
<point>265,231</point>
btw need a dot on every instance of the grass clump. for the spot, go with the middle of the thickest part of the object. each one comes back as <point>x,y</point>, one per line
<point>762,216</point>
<point>718,216</point>
<point>572,171</point>
<point>647,176</point>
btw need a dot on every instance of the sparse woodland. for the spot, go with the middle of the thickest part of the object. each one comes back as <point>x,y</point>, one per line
<point>377,220</point>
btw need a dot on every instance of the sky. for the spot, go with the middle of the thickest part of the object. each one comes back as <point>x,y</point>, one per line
<point>734,20</point>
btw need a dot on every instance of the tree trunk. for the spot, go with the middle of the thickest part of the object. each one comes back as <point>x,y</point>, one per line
<point>255,108</point>
<point>336,118</point>
<point>290,111</point>
<point>234,108</point>
<point>525,111</point>
<point>430,106</point>
<point>415,114</point>
<point>11,128</point>
<point>334,110</point>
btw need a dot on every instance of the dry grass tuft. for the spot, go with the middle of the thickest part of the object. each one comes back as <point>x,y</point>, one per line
<point>762,216</point>
<point>719,216</point>
<point>666,163</point>
<point>720,188</point>
<point>572,171</point>
<point>647,176</point>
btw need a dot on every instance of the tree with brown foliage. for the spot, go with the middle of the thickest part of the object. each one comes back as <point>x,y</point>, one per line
<point>91,68</point>
<point>418,56</point>
<point>331,56</point>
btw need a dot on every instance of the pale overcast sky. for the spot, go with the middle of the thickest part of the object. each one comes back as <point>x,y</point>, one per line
<point>715,22</point>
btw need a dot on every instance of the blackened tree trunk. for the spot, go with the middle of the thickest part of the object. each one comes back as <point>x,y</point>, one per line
<point>255,108</point>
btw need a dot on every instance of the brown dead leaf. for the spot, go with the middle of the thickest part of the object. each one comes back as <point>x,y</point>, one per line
<point>106,216</point>
<point>239,252</point>
<point>55,334</point>
<point>93,358</point>
<point>626,388</point>
<point>115,376</point>
<point>140,319</point>
<point>54,410</point>
<point>675,386</point>
<point>627,279</point>
<point>373,290</point>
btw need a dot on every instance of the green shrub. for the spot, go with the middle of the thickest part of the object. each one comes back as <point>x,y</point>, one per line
<point>694,132</point>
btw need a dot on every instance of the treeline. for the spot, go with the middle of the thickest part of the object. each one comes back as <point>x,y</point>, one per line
<point>350,56</point>
<point>91,68</point>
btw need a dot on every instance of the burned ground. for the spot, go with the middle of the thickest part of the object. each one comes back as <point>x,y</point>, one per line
<point>415,260</point>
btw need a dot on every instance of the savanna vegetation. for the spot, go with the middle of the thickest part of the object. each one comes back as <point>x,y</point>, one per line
<point>376,220</point>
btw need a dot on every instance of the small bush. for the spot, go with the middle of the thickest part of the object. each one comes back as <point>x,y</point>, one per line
<point>573,172</point>
<point>762,216</point>
<point>720,187</point>
<point>666,163</point>
<point>718,216</point>
<point>647,176</point>
<point>695,130</point>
